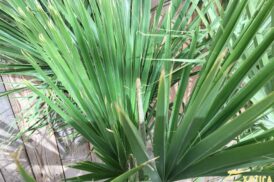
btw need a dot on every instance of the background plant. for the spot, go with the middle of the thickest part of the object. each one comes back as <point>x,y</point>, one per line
<point>106,68</point>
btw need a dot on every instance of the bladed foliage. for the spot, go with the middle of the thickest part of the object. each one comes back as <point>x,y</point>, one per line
<point>106,68</point>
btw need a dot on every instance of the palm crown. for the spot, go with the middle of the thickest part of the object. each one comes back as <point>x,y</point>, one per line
<point>109,67</point>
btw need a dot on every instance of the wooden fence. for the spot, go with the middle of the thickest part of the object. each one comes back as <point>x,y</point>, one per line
<point>44,154</point>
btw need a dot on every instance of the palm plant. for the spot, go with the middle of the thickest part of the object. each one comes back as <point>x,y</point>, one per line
<point>106,68</point>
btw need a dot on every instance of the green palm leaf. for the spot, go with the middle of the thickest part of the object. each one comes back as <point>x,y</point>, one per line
<point>109,67</point>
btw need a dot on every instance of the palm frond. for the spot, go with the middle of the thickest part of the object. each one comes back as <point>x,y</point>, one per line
<point>109,67</point>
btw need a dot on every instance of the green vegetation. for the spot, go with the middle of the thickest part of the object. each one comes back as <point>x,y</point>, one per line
<point>105,68</point>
